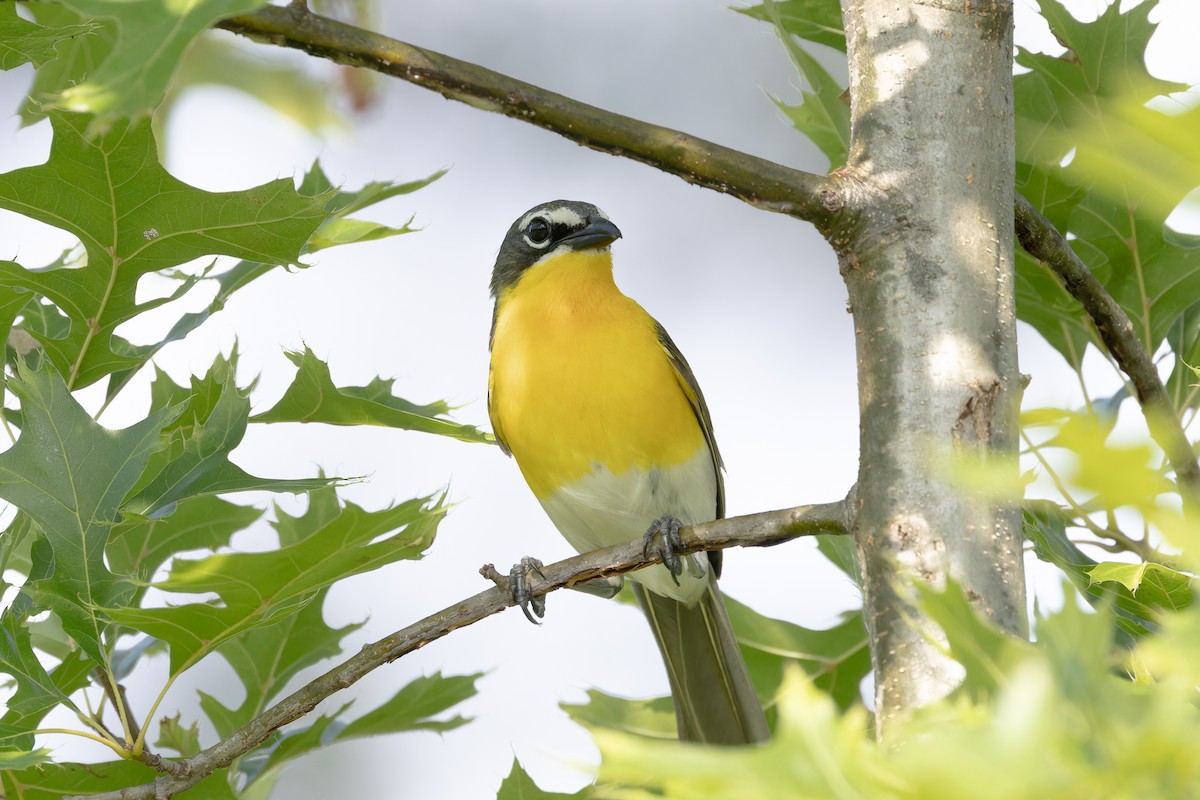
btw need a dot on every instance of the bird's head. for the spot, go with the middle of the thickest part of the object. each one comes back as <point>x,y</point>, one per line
<point>547,231</point>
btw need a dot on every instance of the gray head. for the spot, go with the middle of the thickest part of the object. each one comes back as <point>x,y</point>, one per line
<point>550,229</point>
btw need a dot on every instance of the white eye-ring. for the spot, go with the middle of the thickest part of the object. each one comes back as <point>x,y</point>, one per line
<point>537,233</point>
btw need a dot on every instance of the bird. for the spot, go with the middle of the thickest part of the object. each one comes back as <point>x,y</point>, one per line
<point>608,426</point>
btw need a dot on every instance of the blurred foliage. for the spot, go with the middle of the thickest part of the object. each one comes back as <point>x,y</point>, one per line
<point>1061,719</point>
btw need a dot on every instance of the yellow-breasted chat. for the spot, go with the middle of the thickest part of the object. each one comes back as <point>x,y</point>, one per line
<point>611,432</point>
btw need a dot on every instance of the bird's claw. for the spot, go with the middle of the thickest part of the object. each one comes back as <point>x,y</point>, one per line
<point>663,538</point>
<point>518,586</point>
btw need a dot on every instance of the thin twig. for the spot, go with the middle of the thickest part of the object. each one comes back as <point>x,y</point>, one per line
<point>1042,241</point>
<point>760,182</point>
<point>753,530</point>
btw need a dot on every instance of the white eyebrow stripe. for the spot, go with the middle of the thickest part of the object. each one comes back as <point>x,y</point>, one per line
<point>558,216</point>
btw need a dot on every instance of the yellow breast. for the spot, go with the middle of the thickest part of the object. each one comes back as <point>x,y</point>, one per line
<point>579,378</point>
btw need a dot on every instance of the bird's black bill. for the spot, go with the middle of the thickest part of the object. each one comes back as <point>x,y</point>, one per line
<point>599,232</point>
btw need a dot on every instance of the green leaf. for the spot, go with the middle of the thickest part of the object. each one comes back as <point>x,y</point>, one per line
<point>195,461</point>
<point>810,756</point>
<point>284,86</point>
<point>347,202</point>
<point>287,579</point>
<point>1174,656</point>
<point>312,397</point>
<point>225,720</point>
<point>151,40</point>
<point>77,55</point>
<point>20,760</point>
<point>817,21</point>
<point>1106,168</point>
<point>266,661</point>
<point>651,717</point>
<point>264,766</point>
<point>411,709</point>
<point>139,545</point>
<point>1152,583</point>
<point>1121,473</point>
<point>414,707</point>
<point>1051,310</point>
<point>25,42</point>
<point>519,786</point>
<point>344,202</point>
<point>70,475</point>
<point>134,218</point>
<point>349,231</point>
<point>842,553</point>
<point>1044,524</point>
<point>54,781</point>
<point>1062,706</point>
<point>15,545</point>
<point>988,654</point>
<point>175,736</point>
<point>1183,384</point>
<point>335,230</point>
<point>1153,273</point>
<point>36,692</point>
<point>126,659</point>
<point>836,658</point>
<point>823,116</point>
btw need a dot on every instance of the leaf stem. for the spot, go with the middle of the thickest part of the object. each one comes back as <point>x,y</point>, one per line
<point>97,724</point>
<point>111,745</point>
<point>7,428</point>
<point>140,743</point>
<point>117,696</point>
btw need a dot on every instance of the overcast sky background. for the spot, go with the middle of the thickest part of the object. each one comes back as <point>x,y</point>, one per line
<point>753,299</point>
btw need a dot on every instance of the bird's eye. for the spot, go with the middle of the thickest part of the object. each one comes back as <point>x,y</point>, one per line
<point>537,232</point>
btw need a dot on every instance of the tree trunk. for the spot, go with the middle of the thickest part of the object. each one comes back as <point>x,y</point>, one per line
<point>928,261</point>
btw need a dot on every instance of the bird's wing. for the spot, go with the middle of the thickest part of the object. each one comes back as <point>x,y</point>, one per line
<point>687,380</point>
<point>495,419</point>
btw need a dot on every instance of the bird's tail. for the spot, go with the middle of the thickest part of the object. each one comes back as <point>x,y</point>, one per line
<point>714,699</point>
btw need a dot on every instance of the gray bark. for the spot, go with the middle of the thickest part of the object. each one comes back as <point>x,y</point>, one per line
<point>928,262</point>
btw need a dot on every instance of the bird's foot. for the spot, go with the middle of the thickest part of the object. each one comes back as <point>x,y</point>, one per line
<point>663,538</point>
<point>518,586</point>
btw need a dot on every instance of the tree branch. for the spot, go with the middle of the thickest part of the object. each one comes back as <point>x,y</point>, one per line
<point>753,530</point>
<point>762,183</point>
<point>757,181</point>
<point>1043,241</point>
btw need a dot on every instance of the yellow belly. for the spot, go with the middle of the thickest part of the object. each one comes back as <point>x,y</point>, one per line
<point>579,378</point>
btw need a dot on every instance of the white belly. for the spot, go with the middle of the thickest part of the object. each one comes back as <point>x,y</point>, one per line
<point>602,509</point>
